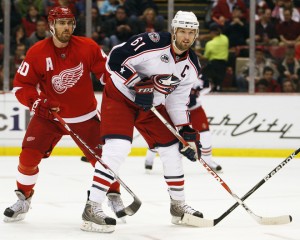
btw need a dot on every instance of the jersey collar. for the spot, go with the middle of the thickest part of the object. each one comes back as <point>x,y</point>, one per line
<point>177,58</point>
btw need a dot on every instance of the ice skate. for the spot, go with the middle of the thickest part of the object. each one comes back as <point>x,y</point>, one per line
<point>17,212</point>
<point>95,220</point>
<point>183,214</point>
<point>116,204</point>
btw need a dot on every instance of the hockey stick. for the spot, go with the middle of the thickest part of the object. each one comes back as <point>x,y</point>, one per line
<point>135,205</point>
<point>205,222</point>
<point>258,185</point>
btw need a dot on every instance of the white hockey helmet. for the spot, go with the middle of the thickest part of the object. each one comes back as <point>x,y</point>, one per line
<point>185,19</point>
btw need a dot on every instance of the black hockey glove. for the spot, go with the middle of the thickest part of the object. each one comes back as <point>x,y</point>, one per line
<point>193,151</point>
<point>193,96</point>
<point>42,107</point>
<point>144,93</point>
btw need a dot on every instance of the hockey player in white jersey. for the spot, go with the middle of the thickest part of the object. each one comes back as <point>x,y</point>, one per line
<point>150,69</point>
<point>199,123</point>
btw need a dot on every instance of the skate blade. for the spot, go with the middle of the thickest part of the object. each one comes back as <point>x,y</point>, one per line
<point>148,169</point>
<point>122,220</point>
<point>176,220</point>
<point>20,217</point>
<point>93,227</point>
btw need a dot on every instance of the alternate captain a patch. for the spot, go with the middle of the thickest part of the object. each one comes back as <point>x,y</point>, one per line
<point>154,36</point>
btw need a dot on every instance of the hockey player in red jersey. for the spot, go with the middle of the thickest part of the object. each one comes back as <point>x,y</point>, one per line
<point>55,76</point>
<point>150,69</point>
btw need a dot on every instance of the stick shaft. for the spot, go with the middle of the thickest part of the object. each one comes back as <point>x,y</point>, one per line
<point>239,201</point>
<point>258,185</point>
<point>130,210</point>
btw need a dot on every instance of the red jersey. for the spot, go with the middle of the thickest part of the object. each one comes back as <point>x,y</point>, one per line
<point>62,75</point>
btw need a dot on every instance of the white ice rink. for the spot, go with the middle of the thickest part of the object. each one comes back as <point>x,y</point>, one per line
<point>60,196</point>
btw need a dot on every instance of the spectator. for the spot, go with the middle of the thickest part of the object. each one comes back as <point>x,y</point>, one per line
<point>16,61</point>
<point>148,22</point>
<point>288,86</point>
<point>288,30</point>
<point>18,37</point>
<point>118,29</point>
<point>97,27</point>
<point>236,29</point>
<point>268,82</point>
<point>260,63</point>
<point>136,8</point>
<point>222,12</point>
<point>261,86</point>
<point>40,33</point>
<point>29,22</point>
<point>276,10</point>
<point>268,3</point>
<point>265,30</point>
<point>22,6</point>
<point>208,14</point>
<point>289,68</point>
<point>288,4</point>
<point>81,4</point>
<point>216,53</point>
<point>108,9</point>
<point>260,8</point>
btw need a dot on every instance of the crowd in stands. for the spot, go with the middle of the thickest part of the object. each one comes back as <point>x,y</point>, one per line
<point>277,40</point>
<point>224,47</point>
<point>113,22</point>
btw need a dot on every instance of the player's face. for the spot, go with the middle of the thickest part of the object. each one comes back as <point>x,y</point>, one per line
<point>185,38</point>
<point>64,29</point>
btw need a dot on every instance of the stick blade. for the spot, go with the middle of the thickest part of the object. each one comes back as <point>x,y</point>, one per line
<point>285,219</point>
<point>131,209</point>
<point>191,220</point>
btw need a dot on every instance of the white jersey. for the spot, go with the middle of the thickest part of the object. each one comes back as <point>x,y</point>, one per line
<point>149,54</point>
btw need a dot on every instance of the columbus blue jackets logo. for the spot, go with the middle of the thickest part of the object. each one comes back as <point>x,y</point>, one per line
<point>154,36</point>
<point>164,58</point>
<point>165,83</point>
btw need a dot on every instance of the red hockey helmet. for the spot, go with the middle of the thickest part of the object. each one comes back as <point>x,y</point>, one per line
<point>60,12</point>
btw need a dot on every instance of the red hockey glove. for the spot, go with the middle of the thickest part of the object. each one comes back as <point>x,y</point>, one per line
<point>193,151</point>
<point>144,93</point>
<point>42,107</point>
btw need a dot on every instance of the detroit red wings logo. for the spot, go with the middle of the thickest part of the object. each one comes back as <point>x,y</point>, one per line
<point>67,79</point>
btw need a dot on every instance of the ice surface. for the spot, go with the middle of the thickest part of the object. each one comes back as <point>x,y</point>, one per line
<point>60,196</point>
